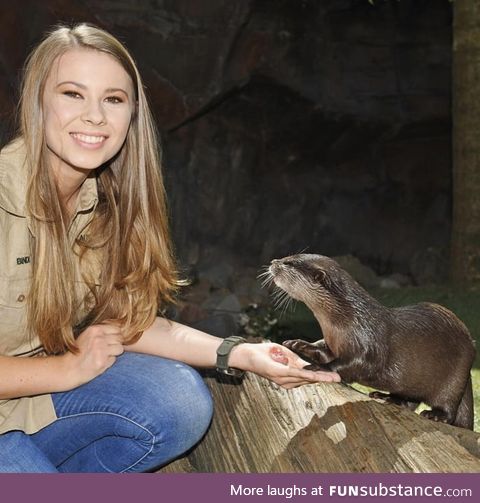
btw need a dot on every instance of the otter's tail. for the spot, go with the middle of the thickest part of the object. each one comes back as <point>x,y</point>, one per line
<point>464,417</point>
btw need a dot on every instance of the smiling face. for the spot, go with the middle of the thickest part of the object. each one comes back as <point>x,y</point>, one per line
<point>88,104</point>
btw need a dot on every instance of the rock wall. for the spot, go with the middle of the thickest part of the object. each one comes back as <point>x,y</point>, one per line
<point>287,124</point>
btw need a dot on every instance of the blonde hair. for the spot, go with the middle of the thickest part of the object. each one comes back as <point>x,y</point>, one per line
<point>130,224</point>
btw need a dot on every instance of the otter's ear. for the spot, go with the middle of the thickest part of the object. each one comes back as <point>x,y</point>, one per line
<point>319,276</point>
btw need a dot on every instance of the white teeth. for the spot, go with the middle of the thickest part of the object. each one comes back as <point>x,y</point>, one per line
<point>88,139</point>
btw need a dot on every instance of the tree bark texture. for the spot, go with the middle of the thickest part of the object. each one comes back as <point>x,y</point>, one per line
<point>259,427</point>
<point>466,142</point>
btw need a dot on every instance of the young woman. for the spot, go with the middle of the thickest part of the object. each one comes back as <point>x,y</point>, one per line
<point>91,379</point>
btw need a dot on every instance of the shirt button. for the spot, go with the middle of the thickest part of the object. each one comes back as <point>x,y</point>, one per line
<point>21,298</point>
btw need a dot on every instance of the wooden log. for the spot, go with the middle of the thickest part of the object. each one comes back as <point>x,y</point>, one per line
<point>259,427</point>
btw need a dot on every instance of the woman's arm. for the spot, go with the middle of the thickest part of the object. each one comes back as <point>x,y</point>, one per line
<point>21,376</point>
<point>179,342</point>
<point>98,348</point>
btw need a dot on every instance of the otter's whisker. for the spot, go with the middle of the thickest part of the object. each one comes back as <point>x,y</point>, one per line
<point>303,251</point>
<point>281,299</point>
<point>266,277</point>
<point>286,306</point>
<point>264,270</point>
<point>267,281</point>
<point>278,298</point>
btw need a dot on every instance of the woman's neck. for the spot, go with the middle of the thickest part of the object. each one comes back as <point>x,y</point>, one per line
<point>69,182</point>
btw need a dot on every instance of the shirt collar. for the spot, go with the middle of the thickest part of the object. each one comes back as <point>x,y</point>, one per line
<point>14,176</point>
<point>88,196</point>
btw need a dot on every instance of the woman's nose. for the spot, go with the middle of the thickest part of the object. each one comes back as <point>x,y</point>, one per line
<point>94,113</point>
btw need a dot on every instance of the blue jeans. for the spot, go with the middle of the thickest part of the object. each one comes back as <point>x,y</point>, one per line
<point>138,415</point>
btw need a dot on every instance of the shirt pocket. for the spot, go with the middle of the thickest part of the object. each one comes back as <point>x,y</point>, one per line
<point>13,292</point>
<point>13,319</point>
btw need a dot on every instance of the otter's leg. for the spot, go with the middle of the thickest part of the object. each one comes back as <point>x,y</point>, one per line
<point>454,408</point>
<point>395,399</point>
<point>461,416</point>
<point>464,417</point>
<point>318,352</point>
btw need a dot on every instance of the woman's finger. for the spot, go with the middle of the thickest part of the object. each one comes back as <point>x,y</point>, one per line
<point>308,375</point>
<point>116,349</point>
<point>110,329</point>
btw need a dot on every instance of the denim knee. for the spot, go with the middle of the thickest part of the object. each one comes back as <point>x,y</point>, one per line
<point>185,412</point>
<point>170,400</point>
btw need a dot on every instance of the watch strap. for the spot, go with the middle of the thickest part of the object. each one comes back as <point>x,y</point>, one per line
<point>223,355</point>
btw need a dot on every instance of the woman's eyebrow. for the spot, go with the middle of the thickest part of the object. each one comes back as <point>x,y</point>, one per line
<point>115,90</point>
<point>81,86</point>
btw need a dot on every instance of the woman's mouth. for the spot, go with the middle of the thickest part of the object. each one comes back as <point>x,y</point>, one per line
<point>88,140</point>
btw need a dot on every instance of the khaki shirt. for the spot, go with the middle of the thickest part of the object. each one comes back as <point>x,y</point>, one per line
<point>28,414</point>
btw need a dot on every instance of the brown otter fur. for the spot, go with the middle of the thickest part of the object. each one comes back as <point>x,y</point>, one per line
<point>418,353</point>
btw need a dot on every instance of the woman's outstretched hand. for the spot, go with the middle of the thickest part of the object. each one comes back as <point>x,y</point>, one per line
<point>278,364</point>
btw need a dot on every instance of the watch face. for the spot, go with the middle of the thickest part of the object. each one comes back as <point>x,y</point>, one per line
<point>231,372</point>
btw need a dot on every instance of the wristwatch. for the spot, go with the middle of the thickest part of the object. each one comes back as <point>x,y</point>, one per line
<point>223,354</point>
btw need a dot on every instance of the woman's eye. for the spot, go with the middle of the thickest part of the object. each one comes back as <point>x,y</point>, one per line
<point>72,94</point>
<point>114,99</point>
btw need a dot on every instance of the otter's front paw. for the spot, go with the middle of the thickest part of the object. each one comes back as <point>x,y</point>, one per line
<point>310,352</point>
<point>302,348</point>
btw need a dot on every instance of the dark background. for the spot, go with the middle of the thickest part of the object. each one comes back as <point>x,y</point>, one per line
<point>286,124</point>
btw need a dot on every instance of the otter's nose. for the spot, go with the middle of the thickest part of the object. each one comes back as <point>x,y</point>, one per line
<point>283,262</point>
<point>274,266</point>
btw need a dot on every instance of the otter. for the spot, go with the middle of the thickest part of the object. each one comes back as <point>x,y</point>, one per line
<point>417,353</point>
